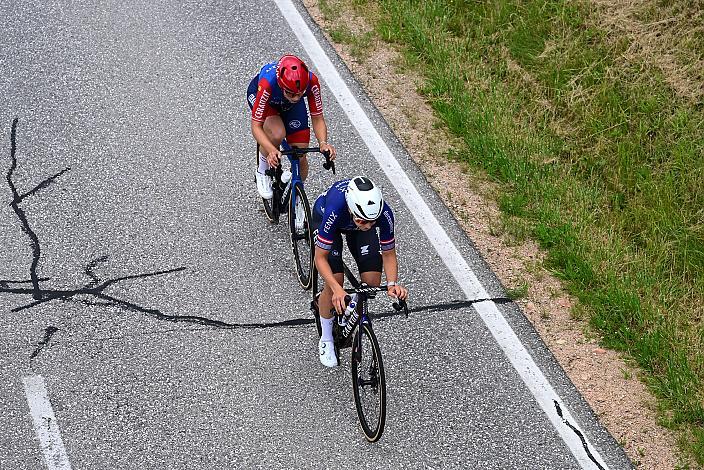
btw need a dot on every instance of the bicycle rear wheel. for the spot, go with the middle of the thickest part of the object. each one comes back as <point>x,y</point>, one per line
<point>368,382</point>
<point>300,227</point>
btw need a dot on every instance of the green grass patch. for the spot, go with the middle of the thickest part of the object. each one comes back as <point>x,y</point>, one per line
<point>517,292</point>
<point>594,151</point>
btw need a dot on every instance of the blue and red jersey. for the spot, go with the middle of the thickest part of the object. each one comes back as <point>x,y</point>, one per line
<point>331,207</point>
<point>270,100</point>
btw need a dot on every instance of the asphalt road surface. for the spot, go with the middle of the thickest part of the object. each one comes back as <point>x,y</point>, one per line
<point>150,315</point>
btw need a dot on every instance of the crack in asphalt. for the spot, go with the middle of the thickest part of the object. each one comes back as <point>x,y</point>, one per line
<point>48,333</point>
<point>15,204</point>
<point>579,434</point>
<point>97,286</point>
<point>292,323</point>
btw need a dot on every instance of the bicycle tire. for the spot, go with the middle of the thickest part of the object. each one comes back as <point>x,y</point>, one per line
<point>316,315</point>
<point>301,241</point>
<point>368,381</point>
<point>336,337</point>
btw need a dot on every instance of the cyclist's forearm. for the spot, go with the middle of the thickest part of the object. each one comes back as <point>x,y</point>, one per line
<point>320,128</point>
<point>390,265</point>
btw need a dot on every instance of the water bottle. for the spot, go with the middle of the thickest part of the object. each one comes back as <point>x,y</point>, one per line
<point>285,177</point>
<point>351,315</point>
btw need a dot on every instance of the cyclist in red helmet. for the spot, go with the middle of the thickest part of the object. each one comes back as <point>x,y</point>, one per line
<point>275,96</point>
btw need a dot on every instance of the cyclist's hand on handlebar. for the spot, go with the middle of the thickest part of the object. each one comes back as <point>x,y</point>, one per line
<point>273,158</point>
<point>397,292</point>
<point>338,299</point>
<point>325,147</point>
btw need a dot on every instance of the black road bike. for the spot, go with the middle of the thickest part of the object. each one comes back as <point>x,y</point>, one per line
<point>353,328</point>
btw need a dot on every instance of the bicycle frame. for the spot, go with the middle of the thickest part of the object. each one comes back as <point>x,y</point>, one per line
<point>294,155</point>
<point>291,197</point>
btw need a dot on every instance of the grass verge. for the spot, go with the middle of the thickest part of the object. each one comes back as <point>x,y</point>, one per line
<point>598,145</point>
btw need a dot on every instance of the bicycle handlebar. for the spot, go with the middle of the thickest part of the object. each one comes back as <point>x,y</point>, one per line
<point>370,292</point>
<point>298,151</point>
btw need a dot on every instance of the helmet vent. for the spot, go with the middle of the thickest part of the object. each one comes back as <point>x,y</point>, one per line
<point>364,184</point>
<point>361,211</point>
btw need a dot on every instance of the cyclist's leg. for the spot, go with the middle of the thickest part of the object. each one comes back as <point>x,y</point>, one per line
<point>295,121</point>
<point>326,348</point>
<point>366,252</point>
<point>275,131</point>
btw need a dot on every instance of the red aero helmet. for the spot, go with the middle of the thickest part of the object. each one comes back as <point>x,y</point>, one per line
<point>292,74</point>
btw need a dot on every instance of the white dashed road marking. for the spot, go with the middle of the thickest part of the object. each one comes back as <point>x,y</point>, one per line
<point>45,424</point>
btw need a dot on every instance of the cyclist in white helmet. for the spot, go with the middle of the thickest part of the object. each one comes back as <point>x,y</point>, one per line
<point>356,208</point>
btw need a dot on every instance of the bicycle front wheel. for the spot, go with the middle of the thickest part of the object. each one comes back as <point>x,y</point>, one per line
<point>368,382</point>
<point>301,229</point>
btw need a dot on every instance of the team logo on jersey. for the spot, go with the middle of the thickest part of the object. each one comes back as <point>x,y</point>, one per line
<point>295,124</point>
<point>259,111</point>
<point>317,98</point>
<point>331,220</point>
<point>251,98</point>
<point>391,223</point>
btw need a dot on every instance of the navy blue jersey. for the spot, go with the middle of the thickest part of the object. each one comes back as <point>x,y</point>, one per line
<point>331,207</point>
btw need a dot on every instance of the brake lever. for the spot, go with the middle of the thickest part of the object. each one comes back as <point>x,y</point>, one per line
<point>329,164</point>
<point>401,305</point>
<point>274,172</point>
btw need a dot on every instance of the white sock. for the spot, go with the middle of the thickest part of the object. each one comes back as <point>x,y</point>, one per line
<point>326,326</point>
<point>263,165</point>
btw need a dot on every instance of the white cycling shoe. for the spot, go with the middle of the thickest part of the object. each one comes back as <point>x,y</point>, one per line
<point>326,349</point>
<point>264,186</point>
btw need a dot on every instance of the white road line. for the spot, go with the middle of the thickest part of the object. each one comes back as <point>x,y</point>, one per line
<point>517,354</point>
<point>45,424</point>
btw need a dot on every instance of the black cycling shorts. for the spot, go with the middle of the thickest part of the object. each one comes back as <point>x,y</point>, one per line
<point>364,247</point>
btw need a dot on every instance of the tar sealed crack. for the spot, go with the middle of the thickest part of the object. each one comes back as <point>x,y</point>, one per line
<point>48,333</point>
<point>579,434</point>
<point>97,287</point>
<point>17,198</point>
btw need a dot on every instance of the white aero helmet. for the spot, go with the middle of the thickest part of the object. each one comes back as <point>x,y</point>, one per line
<point>364,198</point>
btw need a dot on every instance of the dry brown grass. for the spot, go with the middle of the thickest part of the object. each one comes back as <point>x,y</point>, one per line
<point>669,35</point>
